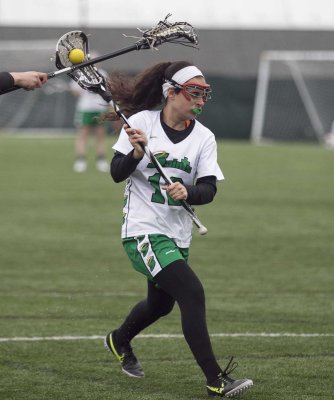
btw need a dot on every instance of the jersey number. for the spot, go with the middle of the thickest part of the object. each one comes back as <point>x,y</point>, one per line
<point>157,196</point>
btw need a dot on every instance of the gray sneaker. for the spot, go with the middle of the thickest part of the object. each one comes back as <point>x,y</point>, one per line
<point>124,355</point>
<point>80,165</point>
<point>102,165</point>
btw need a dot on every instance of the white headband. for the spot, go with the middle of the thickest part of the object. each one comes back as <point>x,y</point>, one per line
<point>181,76</point>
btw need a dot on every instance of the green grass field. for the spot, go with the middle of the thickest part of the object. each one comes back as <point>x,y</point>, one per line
<point>266,264</point>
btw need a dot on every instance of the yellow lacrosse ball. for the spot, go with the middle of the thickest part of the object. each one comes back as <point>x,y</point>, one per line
<point>76,56</point>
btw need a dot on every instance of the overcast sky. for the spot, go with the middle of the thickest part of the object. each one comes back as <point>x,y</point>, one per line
<point>240,14</point>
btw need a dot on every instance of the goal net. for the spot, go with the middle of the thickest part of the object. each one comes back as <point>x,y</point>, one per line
<point>52,106</point>
<point>294,98</point>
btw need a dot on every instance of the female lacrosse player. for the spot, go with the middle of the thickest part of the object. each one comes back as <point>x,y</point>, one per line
<point>27,80</point>
<point>156,230</point>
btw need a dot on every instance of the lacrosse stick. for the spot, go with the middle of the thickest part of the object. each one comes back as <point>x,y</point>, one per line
<point>165,31</point>
<point>89,78</point>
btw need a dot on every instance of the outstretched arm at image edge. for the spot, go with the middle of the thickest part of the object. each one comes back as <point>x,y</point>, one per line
<point>6,81</point>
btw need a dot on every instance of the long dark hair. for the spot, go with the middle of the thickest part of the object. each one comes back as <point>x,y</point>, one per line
<point>143,91</point>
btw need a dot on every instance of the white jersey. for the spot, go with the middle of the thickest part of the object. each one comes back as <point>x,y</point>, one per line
<point>148,209</point>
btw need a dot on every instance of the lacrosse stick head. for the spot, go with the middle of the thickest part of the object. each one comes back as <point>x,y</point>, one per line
<point>171,32</point>
<point>66,43</point>
<point>89,78</point>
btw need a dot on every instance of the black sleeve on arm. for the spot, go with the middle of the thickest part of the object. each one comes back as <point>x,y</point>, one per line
<point>6,81</point>
<point>203,192</point>
<point>122,166</point>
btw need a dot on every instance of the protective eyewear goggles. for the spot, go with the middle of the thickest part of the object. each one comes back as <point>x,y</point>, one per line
<point>196,91</point>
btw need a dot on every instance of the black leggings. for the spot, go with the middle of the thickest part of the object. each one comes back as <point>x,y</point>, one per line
<point>179,283</point>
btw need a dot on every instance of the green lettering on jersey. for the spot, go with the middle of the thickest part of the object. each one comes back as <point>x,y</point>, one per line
<point>183,165</point>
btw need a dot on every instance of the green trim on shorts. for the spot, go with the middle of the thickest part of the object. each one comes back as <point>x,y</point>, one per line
<point>88,118</point>
<point>149,254</point>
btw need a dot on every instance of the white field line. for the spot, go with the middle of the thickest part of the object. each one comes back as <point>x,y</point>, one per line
<point>165,336</point>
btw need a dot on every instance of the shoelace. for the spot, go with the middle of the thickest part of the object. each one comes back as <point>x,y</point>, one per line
<point>231,366</point>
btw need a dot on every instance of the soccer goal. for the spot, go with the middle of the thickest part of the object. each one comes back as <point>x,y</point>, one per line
<point>294,98</point>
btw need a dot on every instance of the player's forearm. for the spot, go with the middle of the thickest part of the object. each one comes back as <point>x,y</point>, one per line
<point>203,192</point>
<point>6,81</point>
<point>122,166</point>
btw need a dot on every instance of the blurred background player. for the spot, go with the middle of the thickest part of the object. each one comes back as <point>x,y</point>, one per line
<point>87,119</point>
<point>27,80</point>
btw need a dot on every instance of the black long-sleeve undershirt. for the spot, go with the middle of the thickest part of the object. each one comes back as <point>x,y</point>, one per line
<point>122,166</point>
<point>202,192</point>
<point>6,81</point>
